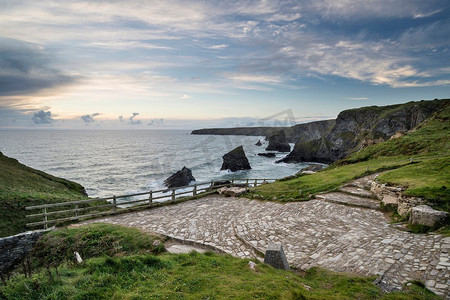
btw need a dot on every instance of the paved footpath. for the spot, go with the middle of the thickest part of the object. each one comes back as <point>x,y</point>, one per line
<point>313,233</point>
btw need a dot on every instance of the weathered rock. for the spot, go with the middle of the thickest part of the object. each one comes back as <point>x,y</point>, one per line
<point>222,182</point>
<point>427,216</point>
<point>278,142</point>
<point>397,135</point>
<point>390,200</point>
<point>275,257</point>
<point>235,160</point>
<point>354,125</point>
<point>258,143</point>
<point>231,191</point>
<point>180,178</point>
<point>14,249</point>
<point>311,168</point>
<point>406,203</point>
<point>269,154</point>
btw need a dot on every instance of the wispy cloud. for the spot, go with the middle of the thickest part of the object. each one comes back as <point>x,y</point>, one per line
<point>132,121</point>
<point>358,98</point>
<point>185,97</point>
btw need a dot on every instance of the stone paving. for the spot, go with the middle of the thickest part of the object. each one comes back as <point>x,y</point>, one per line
<point>352,200</point>
<point>313,233</point>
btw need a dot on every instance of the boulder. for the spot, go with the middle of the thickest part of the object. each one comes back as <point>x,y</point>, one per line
<point>258,143</point>
<point>427,216</point>
<point>311,169</point>
<point>269,154</point>
<point>235,160</point>
<point>231,191</point>
<point>180,178</point>
<point>278,142</point>
<point>275,257</point>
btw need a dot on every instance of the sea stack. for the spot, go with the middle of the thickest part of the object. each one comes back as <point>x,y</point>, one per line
<point>278,142</point>
<point>235,160</point>
<point>180,178</point>
<point>258,143</point>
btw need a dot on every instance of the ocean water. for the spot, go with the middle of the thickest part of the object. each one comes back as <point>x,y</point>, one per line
<point>110,163</point>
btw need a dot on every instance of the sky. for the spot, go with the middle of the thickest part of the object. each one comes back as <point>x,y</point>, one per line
<point>191,64</point>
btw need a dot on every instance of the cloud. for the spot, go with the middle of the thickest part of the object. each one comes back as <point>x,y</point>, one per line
<point>185,97</point>
<point>121,118</point>
<point>218,47</point>
<point>89,118</point>
<point>358,98</point>
<point>132,121</point>
<point>42,117</point>
<point>25,69</point>
<point>156,122</point>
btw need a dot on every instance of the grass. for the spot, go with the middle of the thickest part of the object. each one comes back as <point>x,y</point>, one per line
<point>186,276</point>
<point>21,186</point>
<point>427,176</point>
<point>92,240</point>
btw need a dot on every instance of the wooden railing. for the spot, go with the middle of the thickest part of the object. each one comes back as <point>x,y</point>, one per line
<point>57,213</point>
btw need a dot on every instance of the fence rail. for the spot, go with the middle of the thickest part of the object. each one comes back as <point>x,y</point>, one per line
<point>82,209</point>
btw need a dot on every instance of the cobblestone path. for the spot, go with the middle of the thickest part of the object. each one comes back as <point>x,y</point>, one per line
<point>313,233</point>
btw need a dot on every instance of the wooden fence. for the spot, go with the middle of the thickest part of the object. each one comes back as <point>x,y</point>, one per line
<point>57,213</point>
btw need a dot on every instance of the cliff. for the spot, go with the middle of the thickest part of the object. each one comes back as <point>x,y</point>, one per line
<point>363,126</point>
<point>294,134</point>
<point>22,186</point>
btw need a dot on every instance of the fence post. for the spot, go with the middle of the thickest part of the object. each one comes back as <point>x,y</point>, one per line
<point>211,186</point>
<point>76,210</point>
<point>150,198</point>
<point>246,182</point>
<point>173,194</point>
<point>115,203</point>
<point>45,218</point>
<point>232,182</point>
<point>256,183</point>
<point>194,192</point>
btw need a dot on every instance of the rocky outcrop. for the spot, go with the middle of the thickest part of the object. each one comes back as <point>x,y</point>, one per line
<point>311,169</point>
<point>14,249</point>
<point>269,154</point>
<point>180,178</point>
<point>427,216</point>
<point>278,142</point>
<point>368,125</point>
<point>235,160</point>
<point>300,132</point>
<point>393,196</point>
<point>258,143</point>
<point>232,191</point>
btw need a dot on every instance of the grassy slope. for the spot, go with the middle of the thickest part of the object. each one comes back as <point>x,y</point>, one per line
<point>133,271</point>
<point>427,176</point>
<point>22,186</point>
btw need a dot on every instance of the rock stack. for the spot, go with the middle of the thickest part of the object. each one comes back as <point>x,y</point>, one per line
<point>235,160</point>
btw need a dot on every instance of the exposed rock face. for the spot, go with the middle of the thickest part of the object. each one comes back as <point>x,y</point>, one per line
<point>180,178</point>
<point>294,134</point>
<point>311,169</point>
<point>354,126</point>
<point>232,191</point>
<point>14,249</point>
<point>235,160</point>
<point>270,154</point>
<point>427,216</point>
<point>278,142</point>
<point>258,143</point>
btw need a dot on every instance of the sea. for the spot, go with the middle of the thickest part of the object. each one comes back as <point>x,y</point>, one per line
<point>117,162</point>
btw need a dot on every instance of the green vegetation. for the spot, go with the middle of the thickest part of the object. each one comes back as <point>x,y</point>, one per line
<point>426,175</point>
<point>124,266</point>
<point>92,240</point>
<point>21,186</point>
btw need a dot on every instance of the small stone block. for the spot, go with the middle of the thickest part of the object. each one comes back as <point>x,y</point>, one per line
<point>275,257</point>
